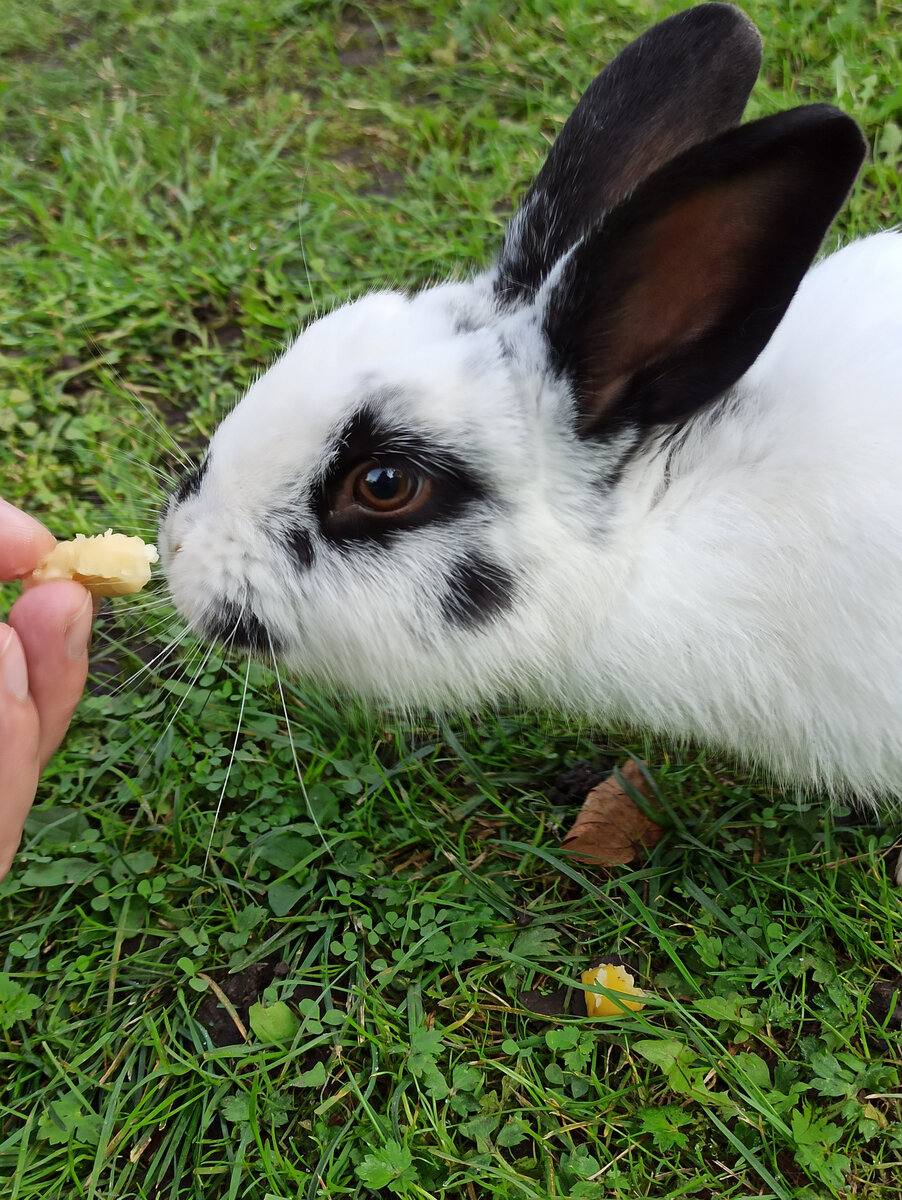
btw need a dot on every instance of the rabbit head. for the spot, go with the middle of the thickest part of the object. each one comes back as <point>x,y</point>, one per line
<point>438,499</point>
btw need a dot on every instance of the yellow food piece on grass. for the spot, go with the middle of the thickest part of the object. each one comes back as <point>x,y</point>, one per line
<point>110,564</point>
<point>617,979</point>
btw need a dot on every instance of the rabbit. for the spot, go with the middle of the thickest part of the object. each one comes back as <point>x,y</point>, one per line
<point>646,468</point>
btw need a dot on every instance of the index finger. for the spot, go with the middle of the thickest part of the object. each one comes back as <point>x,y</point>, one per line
<point>24,542</point>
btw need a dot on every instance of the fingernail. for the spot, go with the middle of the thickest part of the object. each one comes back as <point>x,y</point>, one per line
<point>24,540</point>
<point>14,518</point>
<point>78,631</point>
<point>13,671</point>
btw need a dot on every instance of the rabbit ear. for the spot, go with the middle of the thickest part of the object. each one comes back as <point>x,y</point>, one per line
<point>683,81</point>
<point>673,298</point>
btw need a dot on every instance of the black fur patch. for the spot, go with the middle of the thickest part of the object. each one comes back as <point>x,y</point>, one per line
<point>236,627</point>
<point>300,545</point>
<point>466,322</point>
<point>190,483</point>
<point>478,590</point>
<point>454,486</point>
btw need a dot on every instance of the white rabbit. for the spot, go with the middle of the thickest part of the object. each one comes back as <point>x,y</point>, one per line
<point>645,468</point>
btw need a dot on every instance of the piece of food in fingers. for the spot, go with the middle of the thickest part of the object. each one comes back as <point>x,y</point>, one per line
<point>110,564</point>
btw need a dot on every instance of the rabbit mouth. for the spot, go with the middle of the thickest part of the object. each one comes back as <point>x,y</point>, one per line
<point>237,627</point>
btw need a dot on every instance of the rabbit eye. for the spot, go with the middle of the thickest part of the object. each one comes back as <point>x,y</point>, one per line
<point>385,489</point>
<point>382,480</point>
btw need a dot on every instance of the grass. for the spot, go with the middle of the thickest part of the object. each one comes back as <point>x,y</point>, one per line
<point>331,1007</point>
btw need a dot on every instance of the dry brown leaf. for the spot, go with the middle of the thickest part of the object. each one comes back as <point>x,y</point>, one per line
<point>610,827</point>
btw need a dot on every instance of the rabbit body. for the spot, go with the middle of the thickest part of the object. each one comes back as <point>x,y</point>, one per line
<point>552,482</point>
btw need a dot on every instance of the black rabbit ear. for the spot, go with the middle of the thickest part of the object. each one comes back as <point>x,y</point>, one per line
<point>664,307</point>
<point>684,81</point>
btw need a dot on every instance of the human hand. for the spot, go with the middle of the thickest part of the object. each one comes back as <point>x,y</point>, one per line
<point>43,667</point>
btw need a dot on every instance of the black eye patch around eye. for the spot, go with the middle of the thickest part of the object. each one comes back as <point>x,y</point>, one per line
<point>454,486</point>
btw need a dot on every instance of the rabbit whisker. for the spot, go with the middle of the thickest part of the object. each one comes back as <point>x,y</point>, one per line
<point>204,658</point>
<point>315,306</point>
<point>225,782</point>
<point>158,660</point>
<point>294,755</point>
<point>116,377</point>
